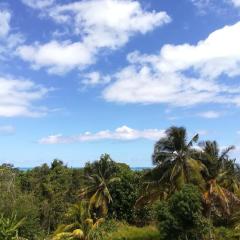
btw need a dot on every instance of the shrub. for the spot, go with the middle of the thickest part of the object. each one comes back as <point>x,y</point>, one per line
<point>181,217</point>
<point>124,195</point>
<point>126,232</point>
<point>223,233</point>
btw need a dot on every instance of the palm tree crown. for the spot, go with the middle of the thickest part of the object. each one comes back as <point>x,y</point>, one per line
<point>99,176</point>
<point>176,165</point>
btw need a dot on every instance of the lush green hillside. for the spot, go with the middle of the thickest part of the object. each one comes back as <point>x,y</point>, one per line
<point>190,193</point>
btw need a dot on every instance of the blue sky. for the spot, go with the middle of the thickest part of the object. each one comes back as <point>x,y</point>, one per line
<point>82,78</point>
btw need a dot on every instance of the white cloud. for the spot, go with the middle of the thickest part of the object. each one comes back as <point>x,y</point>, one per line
<point>203,5</point>
<point>215,6</point>
<point>58,57</point>
<point>123,133</point>
<point>100,24</point>
<point>95,78</point>
<point>5,18</point>
<point>17,97</point>
<point>209,114</point>
<point>38,4</point>
<point>7,129</point>
<point>236,3</point>
<point>182,75</point>
<point>8,40</point>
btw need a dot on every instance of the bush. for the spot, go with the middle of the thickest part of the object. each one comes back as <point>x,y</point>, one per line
<point>126,232</point>
<point>124,194</point>
<point>181,218</point>
<point>223,233</point>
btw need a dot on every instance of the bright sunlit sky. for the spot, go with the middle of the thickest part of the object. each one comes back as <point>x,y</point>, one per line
<point>82,78</point>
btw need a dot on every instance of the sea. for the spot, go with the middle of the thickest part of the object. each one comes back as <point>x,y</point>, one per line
<point>24,169</point>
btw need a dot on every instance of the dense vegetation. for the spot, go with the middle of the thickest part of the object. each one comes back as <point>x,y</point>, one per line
<point>191,193</point>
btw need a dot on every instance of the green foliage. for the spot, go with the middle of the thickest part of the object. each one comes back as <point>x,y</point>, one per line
<point>126,232</point>
<point>104,230</point>
<point>79,224</point>
<point>223,233</point>
<point>9,227</point>
<point>176,165</point>
<point>99,176</point>
<point>27,208</point>
<point>42,196</point>
<point>143,216</point>
<point>54,188</point>
<point>181,218</point>
<point>124,194</point>
<point>221,195</point>
<point>14,202</point>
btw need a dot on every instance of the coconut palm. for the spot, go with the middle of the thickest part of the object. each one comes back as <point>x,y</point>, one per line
<point>99,176</point>
<point>220,179</point>
<point>80,224</point>
<point>9,227</point>
<point>176,165</point>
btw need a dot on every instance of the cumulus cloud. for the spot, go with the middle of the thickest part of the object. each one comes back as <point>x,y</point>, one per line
<point>123,133</point>
<point>99,24</point>
<point>59,57</point>
<point>17,98</point>
<point>182,75</point>
<point>210,114</point>
<point>7,129</point>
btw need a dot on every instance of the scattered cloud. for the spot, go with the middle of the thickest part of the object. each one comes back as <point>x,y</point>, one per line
<point>38,4</point>
<point>236,3</point>
<point>214,6</point>
<point>7,129</point>
<point>123,133</point>
<point>17,97</point>
<point>5,17</point>
<point>182,75</point>
<point>8,40</point>
<point>100,24</point>
<point>209,114</point>
<point>94,78</point>
<point>203,5</point>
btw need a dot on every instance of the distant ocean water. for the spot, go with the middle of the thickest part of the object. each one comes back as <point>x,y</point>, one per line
<point>133,168</point>
<point>24,168</point>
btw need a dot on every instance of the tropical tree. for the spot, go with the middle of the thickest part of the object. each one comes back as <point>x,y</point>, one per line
<point>79,224</point>
<point>9,227</point>
<point>181,217</point>
<point>222,185</point>
<point>99,176</point>
<point>176,165</point>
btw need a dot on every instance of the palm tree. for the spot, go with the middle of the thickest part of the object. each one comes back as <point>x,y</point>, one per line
<point>80,224</point>
<point>99,176</point>
<point>176,165</point>
<point>9,227</point>
<point>219,196</point>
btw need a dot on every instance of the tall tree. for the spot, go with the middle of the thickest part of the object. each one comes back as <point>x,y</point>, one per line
<point>176,165</point>
<point>220,178</point>
<point>99,176</point>
<point>79,224</point>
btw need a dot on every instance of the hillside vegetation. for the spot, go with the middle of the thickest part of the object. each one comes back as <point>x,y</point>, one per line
<point>192,192</point>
